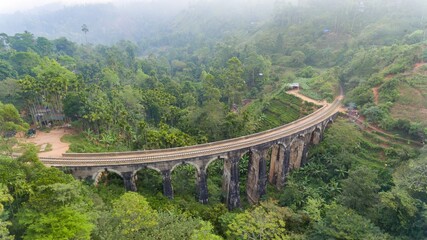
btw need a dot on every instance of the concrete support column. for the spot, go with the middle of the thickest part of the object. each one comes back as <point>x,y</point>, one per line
<point>129,181</point>
<point>167,184</point>
<point>202,187</point>
<point>231,181</point>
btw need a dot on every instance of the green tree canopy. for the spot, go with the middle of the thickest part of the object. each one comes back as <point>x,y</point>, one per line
<point>10,120</point>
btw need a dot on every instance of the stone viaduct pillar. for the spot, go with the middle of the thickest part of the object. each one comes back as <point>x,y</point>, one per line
<point>316,137</point>
<point>167,183</point>
<point>287,153</point>
<point>284,168</point>
<point>263,177</point>
<point>257,175</point>
<point>308,138</point>
<point>304,157</point>
<point>202,186</point>
<point>274,164</point>
<point>279,165</point>
<point>231,184</point>
<point>129,181</point>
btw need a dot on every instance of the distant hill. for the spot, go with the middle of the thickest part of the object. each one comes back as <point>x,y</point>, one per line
<point>107,23</point>
<point>137,21</point>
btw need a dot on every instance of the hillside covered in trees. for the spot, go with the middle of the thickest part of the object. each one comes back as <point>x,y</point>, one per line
<point>208,72</point>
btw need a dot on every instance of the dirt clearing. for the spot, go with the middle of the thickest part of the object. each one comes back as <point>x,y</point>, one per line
<point>43,139</point>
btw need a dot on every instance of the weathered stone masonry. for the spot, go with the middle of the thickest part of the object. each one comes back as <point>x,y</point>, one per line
<point>284,154</point>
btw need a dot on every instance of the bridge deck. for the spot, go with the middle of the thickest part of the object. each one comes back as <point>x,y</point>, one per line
<point>208,149</point>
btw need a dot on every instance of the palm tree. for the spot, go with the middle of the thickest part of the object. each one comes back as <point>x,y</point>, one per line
<point>85,30</point>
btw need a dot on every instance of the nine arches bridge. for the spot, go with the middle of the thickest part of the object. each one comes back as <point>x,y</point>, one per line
<point>286,146</point>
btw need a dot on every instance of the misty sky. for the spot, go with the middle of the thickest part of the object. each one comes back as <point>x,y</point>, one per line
<point>11,6</point>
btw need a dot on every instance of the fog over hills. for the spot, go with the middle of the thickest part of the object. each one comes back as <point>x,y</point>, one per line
<point>107,23</point>
<point>135,21</point>
<point>161,74</point>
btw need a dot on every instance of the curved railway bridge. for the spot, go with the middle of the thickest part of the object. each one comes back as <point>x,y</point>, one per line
<point>286,147</point>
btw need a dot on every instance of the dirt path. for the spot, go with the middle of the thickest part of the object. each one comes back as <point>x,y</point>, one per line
<point>418,65</point>
<point>361,120</point>
<point>376,95</point>
<point>390,76</point>
<point>305,98</point>
<point>363,124</point>
<point>54,138</point>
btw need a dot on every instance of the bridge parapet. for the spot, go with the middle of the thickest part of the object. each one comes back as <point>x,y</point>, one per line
<point>286,148</point>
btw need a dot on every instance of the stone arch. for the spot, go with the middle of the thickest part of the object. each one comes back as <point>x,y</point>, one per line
<point>185,179</point>
<point>185,163</point>
<point>316,136</point>
<point>219,158</point>
<point>148,167</point>
<point>297,138</point>
<point>97,176</point>
<point>328,123</point>
<point>282,144</point>
<point>249,151</point>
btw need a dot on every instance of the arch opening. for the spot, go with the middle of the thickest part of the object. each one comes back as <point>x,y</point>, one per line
<point>109,182</point>
<point>149,181</point>
<point>184,181</point>
<point>328,123</point>
<point>108,177</point>
<point>215,171</point>
<point>243,177</point>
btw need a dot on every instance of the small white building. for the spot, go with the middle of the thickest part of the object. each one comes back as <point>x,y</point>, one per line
<point>294,86</point>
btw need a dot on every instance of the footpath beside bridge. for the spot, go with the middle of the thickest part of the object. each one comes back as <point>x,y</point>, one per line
<point>286,147</point>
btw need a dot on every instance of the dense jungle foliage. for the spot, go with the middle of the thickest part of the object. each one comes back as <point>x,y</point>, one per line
<point>212,75</point>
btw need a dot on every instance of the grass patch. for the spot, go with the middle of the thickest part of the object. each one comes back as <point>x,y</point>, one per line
<point>284,108</point>
<point>308,90</point>
<point>412,101</point>
<point>359,146</point>
<point>79,143</point>
<point>47,148</point>
<point>344,148</point>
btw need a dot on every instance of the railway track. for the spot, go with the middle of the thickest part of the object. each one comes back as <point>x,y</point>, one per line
<point>208,149</point>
